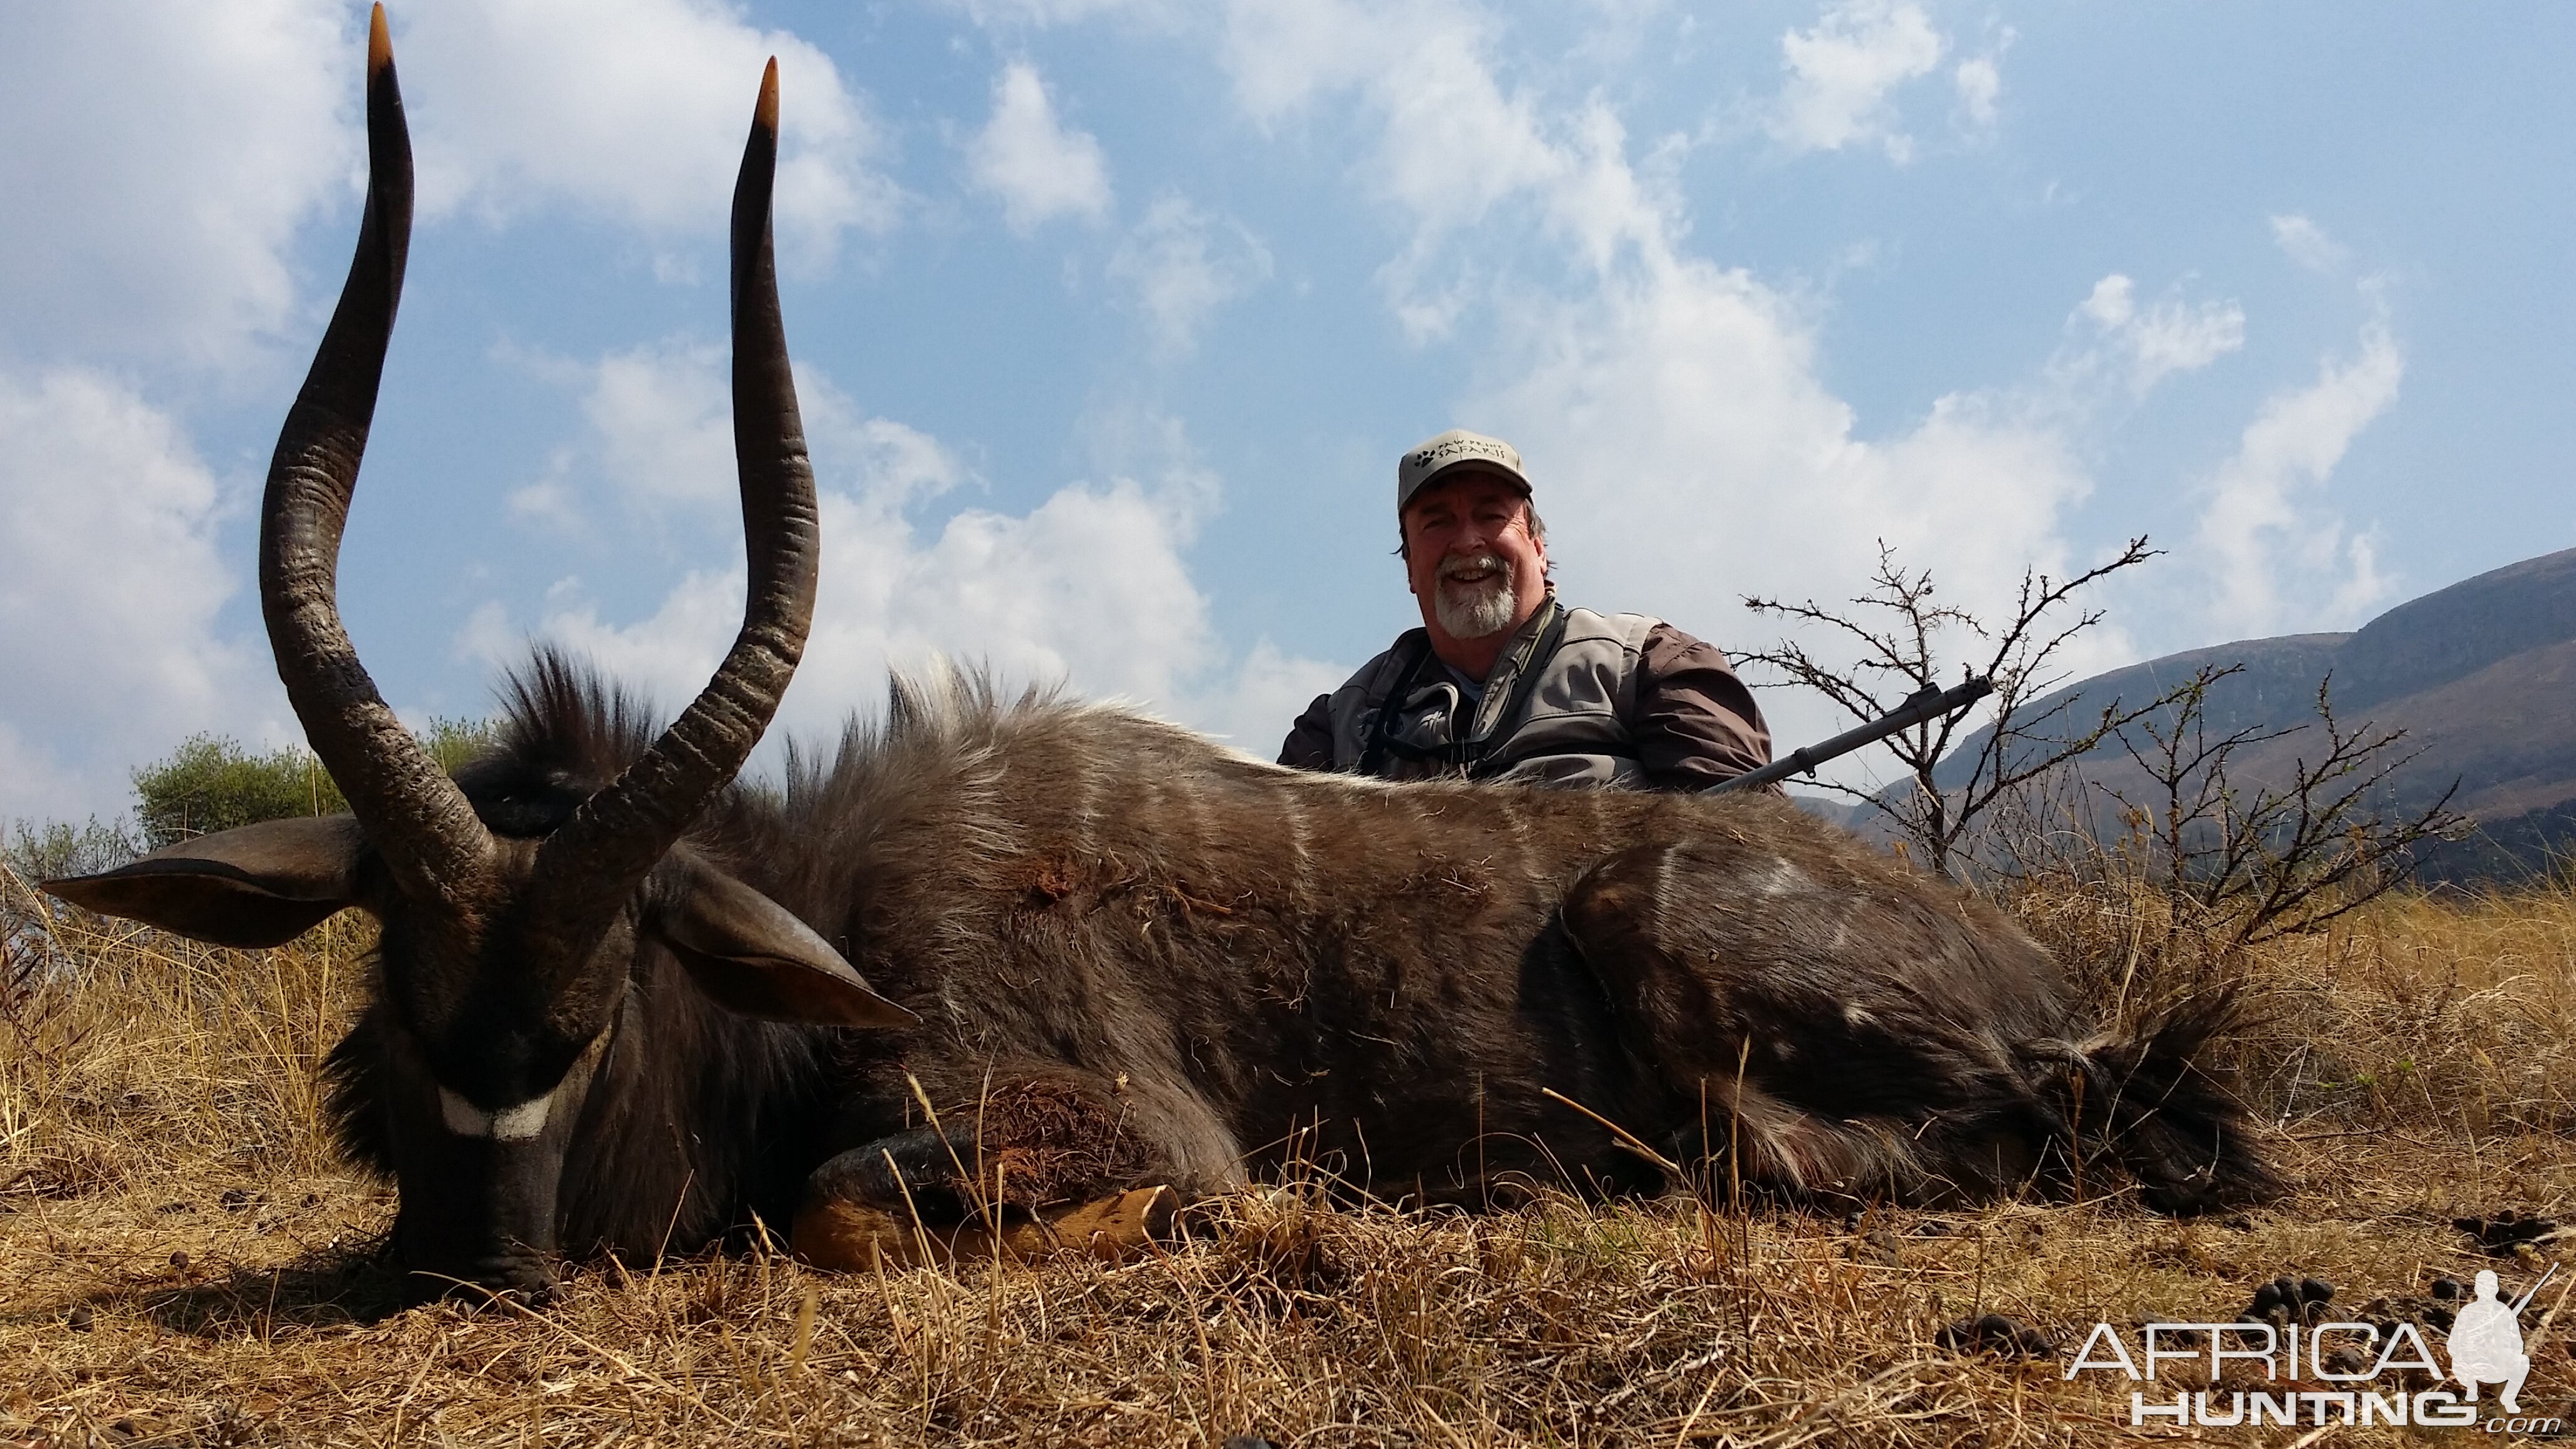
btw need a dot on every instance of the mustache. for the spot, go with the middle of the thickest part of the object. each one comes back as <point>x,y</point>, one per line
<point>1451,568</point>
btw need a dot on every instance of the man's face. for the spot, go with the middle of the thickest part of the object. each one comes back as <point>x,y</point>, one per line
<point>1470,558</point>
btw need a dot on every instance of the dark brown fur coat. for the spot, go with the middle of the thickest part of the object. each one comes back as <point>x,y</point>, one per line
<point>1141,958</point>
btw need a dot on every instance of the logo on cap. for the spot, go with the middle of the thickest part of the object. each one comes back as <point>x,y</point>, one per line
<point>1452,449</point>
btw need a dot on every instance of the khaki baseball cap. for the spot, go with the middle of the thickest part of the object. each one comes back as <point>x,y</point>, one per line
<point>1456,450</point>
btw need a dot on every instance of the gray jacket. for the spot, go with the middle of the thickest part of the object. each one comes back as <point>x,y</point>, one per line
<point>1577,698</point>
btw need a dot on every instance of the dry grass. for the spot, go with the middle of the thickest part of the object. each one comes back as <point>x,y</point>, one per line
<point>165,1183</point>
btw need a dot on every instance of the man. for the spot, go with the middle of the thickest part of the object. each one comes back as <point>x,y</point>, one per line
<point>1502,682</point>
<point>2486,1343</point>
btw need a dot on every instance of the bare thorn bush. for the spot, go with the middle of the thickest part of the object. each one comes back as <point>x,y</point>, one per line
<point>2258,861</point>
<point>1896,634</point>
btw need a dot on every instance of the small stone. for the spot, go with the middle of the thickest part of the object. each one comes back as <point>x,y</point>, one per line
<point>1993,1333</point>
<point>2446,1289</point>
<point>2239,1222</point>
<point>1248,1441</point>
<point>2266,1298</point>
<point>79,1319</point>
<point>235,1199</point>
<point>1852,1222</point>
<point>1931,1228</point>
<point>2499,1233</point>
<point>2347,1360</point>
<point>2174,1330</point>
<point>179,1261</point>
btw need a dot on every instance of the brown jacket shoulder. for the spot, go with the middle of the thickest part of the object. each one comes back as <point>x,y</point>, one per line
<point>1689,720</point>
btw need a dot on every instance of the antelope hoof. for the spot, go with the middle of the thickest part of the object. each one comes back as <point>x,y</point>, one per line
<point>847,1237</point>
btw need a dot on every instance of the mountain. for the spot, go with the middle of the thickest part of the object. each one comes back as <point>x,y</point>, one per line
<point>2481,676</point>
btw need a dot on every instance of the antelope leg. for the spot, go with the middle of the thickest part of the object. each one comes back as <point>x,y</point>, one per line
<point>844,1236</point>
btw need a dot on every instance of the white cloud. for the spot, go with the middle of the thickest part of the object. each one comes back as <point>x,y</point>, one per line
<point>2164,338</point>
<point>658,441</point>
<point>1454,144</point>
<point>1027,158</point>
<point>663,419</point>
<point>2112,302</point>
<point>1252,709</point>
<point>108,605</point>
<point>159,160</point>
<point>1843,73</point>
<point>1180,265</point>
<point>1671,408</point>
<point>1454,149</point>
<point>634,110</point>
<point>1979,82</point>
<point>2307,244</point>
<point>549,500</point>
<point>2277,560</point>
<point>1687,454</point>
<point>1091,586</point>
<point>2171,337</point>
<point>1039,14</point>
<point>1282,53</point>
<point>1088,587</point>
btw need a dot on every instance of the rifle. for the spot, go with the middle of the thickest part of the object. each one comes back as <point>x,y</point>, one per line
<point>2524,1301</point>
<point>1929,702</point>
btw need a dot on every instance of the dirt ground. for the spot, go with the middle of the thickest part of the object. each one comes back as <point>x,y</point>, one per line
<point>182,1261</point>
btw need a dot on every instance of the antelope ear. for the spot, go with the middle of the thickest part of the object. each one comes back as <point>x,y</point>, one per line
<point>260,885</point>
<point>753,956</point>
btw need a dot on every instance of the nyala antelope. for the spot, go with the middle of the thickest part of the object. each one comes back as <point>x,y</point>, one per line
<point>1002,957</point>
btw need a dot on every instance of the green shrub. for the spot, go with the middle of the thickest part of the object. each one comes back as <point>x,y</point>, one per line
<point>58,849</point>
<point>212,783</point>
<point>452,742</point>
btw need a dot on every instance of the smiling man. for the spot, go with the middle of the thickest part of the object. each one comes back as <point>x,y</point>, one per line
<point>1502,682</point>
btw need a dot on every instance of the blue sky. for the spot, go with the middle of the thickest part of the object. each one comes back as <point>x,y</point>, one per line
<point>1112,315</point>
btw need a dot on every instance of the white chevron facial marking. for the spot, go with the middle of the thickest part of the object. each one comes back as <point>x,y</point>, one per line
<point>513,1124</point>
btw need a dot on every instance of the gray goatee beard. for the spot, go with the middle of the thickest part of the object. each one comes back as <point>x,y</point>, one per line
<point>1481,610</point>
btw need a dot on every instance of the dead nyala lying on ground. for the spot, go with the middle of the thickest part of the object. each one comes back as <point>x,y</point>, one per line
<point>615,1005</point>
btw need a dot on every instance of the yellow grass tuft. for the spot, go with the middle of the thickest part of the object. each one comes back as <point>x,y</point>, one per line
<point>167,1184</point>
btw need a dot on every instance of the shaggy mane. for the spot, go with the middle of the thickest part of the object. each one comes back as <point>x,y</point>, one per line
<point>560,717</point>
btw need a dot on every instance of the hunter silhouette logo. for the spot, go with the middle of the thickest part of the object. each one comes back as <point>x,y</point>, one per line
<point>2486,1340</point>
<point>2299,1365</point>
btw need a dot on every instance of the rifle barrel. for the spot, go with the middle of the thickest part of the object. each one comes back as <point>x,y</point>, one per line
<point>1925,703</point>
<point>2533,1291</point>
